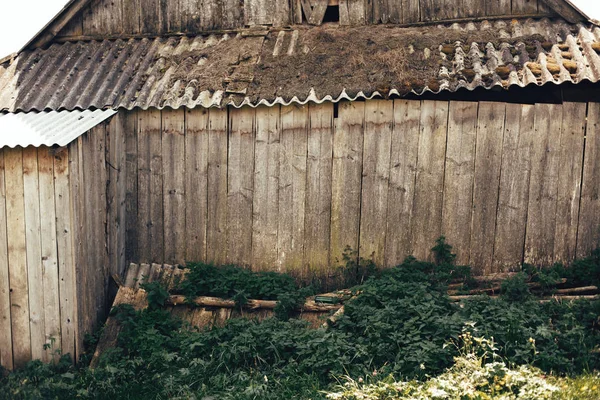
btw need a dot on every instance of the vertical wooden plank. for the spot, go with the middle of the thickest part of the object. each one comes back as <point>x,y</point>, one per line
<point>132,12</point>
<point>292,188</point>
<point>440,9</point>
<point>81,233</point>
<point>131,187</point>
<point>569,181</point>
<point>116,193</point>
<point>458,180</point>
<point>427,10</point>
<point>216,222</point>
<point>343,10</point>
<point>190,15</point>
<point>196,183</point>
<point>150,17</point>
<point>173,171</point>
<point>145,131</point>
<point>94,187</point>
<point>346,179</point>
<point>544,8</point>
<point>391,11</point>
<point>318,189</point>
<point>17,257</point>
<point>66,261</point>
<point>296,12</point>
<point>497,7</point>
<point>240,172</point>
<point>514,187</point>
<point>281,15</point>
<point>174,15</point>
<point>232,14</point>
<point>379,118</point>
<point>35,282</point>
<point>473,8</point>
<point>104,18</point>
<point>150,194</point>
<point>210,14</point>
<point>520,7</point>
<point>411,11</point>
<point>352,12</point>
<point>588,233</point>
<point>543,186</point>
<point>380,11</point>
<point>6,347</point>
<point>49,252</point>
<point>368,9</point>
<point>429,187</point>
<point>453,8</point>
<point>488,161</point>
<point>256,12</point>
<point>318,12</point>
<point>90,203</point>
<point>265,209</point>
<point>401,192</point>
<point>120,158</point>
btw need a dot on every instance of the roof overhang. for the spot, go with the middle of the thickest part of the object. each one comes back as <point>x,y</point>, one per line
<point>300,65</point>
<point>48,128</point>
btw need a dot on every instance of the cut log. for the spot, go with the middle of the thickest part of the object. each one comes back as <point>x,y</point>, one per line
<point>584,289</point>
<point>570,298</point>
<point>335,317</point>
<point>204,301</point>
<point>498,288</point>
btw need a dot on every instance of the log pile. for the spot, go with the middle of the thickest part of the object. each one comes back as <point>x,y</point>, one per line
<point>131,293</point>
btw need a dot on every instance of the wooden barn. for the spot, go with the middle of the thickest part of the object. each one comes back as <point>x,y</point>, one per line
<point>275,133</point>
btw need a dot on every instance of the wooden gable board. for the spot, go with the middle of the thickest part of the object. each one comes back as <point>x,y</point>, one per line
<point>74,9</point>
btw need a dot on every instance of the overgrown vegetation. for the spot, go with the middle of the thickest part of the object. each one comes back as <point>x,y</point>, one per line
<point>401,324</point>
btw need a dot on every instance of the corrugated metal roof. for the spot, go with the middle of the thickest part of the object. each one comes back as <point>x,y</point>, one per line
<point>296,66</point>
<point>48,128</point>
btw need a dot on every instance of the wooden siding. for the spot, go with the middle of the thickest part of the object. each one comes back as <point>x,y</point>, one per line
<point>123,18</point>
<point>98,190</point>
<point>285,189</point>
<point>38,304</point>
<point>289,188</point>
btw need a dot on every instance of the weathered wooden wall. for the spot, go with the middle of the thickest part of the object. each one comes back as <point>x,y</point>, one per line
<point>288,188</point>
<point>153,17</point>
<point>38,304</point>
<point>97,187</point>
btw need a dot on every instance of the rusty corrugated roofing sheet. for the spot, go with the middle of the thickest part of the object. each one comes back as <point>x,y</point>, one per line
<point>300,65</point>
<point>48,128</point>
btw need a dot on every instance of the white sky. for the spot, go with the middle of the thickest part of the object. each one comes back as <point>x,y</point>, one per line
<point>21,20</point>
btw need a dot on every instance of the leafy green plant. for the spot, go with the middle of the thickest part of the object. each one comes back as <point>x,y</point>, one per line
<point>228,281</point>
<point>157,294</point>
<point>356,269</point>
<point>516,288</point>
<point>399,322</point>
<point>472,376</point>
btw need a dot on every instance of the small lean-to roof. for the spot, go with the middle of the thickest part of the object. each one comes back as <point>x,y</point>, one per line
<point>300,65</point>
<point>48,128</point>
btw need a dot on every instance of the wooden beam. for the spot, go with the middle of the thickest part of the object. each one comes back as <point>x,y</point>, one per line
<point>567,10</point>
<point>52,29</point>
